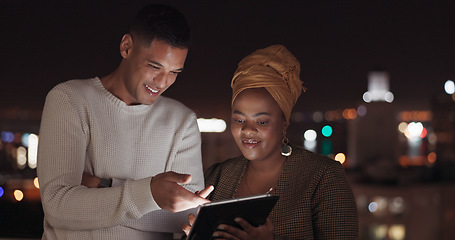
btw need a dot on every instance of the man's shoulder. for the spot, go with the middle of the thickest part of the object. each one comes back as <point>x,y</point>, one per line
<point>78,85</point>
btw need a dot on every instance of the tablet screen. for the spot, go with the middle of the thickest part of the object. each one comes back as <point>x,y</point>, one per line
<point>254,209</point>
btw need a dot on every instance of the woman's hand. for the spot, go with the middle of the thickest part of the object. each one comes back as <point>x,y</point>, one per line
<point>187,227</point>
<point>248,232</point>
<point>203,193</point>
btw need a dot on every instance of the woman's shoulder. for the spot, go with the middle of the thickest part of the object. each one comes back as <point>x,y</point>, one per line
<point>310,159</point>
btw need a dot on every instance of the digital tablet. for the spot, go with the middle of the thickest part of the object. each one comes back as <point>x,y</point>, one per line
<point>254,209</point>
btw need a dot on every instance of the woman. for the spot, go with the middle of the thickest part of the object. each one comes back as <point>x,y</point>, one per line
<point>316,201</point>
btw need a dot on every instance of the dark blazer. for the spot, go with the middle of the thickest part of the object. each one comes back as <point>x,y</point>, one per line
<point>316,201</point>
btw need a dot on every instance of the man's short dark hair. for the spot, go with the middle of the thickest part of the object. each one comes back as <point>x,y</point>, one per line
<point>162,22</point>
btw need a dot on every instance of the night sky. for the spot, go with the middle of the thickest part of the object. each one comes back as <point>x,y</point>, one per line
<point>43,43</point>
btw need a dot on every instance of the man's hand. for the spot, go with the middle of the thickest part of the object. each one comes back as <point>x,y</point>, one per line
<point>90,181</point>
<point>169,195</point>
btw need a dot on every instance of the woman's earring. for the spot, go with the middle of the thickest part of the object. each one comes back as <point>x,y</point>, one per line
<point>286,150</point>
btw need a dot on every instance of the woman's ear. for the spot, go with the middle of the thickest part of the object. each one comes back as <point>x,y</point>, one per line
<point>285,125</point>
<point>126,45</point>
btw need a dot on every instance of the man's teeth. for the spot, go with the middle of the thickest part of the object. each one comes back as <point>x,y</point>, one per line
<point>149,88</point>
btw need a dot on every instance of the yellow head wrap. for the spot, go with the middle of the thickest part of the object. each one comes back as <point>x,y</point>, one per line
<point>273,68</point>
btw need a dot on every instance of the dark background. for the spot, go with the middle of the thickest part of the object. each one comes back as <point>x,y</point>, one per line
<point>43,43</point>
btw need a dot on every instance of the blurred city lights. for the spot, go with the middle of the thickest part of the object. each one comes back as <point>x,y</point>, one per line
<point>378,88</point>
<point>326,147</point>
<point>349,113</point>
<point>327,131</point>
<point>310,135</point>
<point>402,127</point>
<point>379,231</point>
<point>340,157</point>
<point>423,134</point>
<point>412,116</point>
<point>397,232</point>
<point>362,110</point>
<point>25,137</point>
<point>318,116</point>
<point>414,130</point>
<point>432,157</point>
<point>396,205</point>
<point>7,136</point>
<point>36,182</point>
<point>211,125</point>
<point>21,157</point>
<point>32,150</point>
<point>378,206</point>
<point>373,207</point>
<point>449,87</point>
<point>18,195</point>
<point>310,145</point>
<point>367,97</point>
<point>388,97</point>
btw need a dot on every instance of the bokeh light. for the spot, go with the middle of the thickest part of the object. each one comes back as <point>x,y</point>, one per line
<point>211,125</point>
<point>21,157</point>
<point>327,131</point>
<point>367,97</point>
<point>362,110</point>
<point>18,195</point>
<point>7,136</point>
<point>402,127</point>
<point>389,97</point>
<point>310,135</point>
<point>25,137</point>
<point>449,87</point>
<point>432,157</point>
<point>397,232</point>
<point>36,182</point>
<point>32,150</point>
<point>318,116</point>
<point>340,157</point>
<point>414,130</point>
<point>1,191</point>
<point>373,207</point>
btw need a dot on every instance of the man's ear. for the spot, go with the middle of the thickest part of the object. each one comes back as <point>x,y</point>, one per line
<point>126,45</point>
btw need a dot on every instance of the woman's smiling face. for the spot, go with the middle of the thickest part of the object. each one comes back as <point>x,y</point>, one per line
<point>257,124</point>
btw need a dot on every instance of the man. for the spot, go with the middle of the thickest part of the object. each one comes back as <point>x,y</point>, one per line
<point>120,127</point>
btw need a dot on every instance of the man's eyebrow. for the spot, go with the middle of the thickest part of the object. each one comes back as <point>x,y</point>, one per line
<point>156,63</point>
<point>159,64</point>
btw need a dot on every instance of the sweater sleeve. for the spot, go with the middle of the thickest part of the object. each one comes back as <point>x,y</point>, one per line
<point>61,156</point>
<point>186,154</point>
<point>334,209</point>
<point>185,158</point>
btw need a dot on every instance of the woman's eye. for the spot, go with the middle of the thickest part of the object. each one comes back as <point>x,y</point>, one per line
<point>262,123</point>
<point>238,121</point>
<point>154,67</point>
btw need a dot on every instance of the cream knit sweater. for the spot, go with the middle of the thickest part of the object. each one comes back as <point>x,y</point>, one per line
<point>86,128</point>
